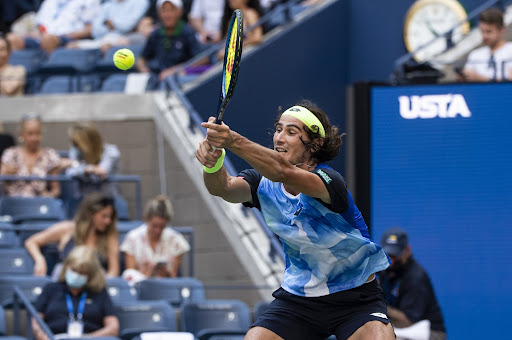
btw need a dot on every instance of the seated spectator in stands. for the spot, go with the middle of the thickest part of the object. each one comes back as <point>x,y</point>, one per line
<point>407,287</point>
<point>170,45</point>
<point>94,225</point>
<point>91,160</point>
<point>31,159</point>
<point>493,61</point>
<point>252,12</point>
<point>58,24</point>
<point>154,249</point>
<point>205,17</point>
<point>114,24</point>
<point>78,304</point>
<point>12,78</point>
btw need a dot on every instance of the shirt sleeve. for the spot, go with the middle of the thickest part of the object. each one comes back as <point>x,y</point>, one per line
<point>41,302</point>
<point>128,245</point>
<point>181,245</point>
<point>108,306</point>
<point>337,188</point>
<point>127,22</point>
<point>252,177</point>
<point>9,156</point>
<point>110,158</point>
<point>90,10</point>
<point>195,11</point>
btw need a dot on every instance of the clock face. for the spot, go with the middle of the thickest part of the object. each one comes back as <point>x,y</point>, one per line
<point>430,19</point>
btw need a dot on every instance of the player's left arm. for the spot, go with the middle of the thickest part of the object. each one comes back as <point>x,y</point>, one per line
<point>269,163</point>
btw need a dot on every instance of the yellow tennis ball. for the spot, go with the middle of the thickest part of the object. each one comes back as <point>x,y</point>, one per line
<point>124,59</point>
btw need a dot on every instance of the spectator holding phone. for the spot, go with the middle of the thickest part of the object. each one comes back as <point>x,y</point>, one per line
<point>154,249</point>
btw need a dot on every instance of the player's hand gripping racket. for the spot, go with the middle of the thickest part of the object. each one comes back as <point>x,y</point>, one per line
<point>232,56</point>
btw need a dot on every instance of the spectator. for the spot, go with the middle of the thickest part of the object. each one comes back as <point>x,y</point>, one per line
<point>58,24</point>
<point>251,11</point>
<point>205,17</point>
<point>493,61</point>
<point>31,159</point>
<point>407,287</point>
<point>12,78</point>
<point>169,45</point>
<point>91,160</point>
<point>154,249</point>
<point>94,225</point>
<point>114,24</point>
<point>78,304</point>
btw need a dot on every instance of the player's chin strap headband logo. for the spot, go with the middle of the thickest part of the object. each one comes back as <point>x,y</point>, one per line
<point>307,117</point>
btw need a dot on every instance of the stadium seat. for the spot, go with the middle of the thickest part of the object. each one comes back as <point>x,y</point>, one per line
<point>15,261</point>
<point>30,285</point>
<point>23,209</point>
<point>215,317</point>
<point>8,236</point>
<point>259,309</point>
<point>122,208</point>
<point>145,316</point>
<point>31,59</point>
<point>114,83</point>
<point>70,61</point>
<point>58,84</point>
<point>175,291</point>
<point>120,291</point>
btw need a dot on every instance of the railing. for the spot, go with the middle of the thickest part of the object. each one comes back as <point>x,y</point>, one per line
<point>399,63</point>
<point>20,298</point>
<point>64,178</point>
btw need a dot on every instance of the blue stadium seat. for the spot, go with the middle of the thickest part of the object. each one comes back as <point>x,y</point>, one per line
<point>114,83</point>
<point>31,59</point>
<point>175,291</point>
<point>88,83</point>
<point>260,308</point>
<point>15,261</point>
<point>30,285</point>
<point>70,61</point>
<point>23,209</point>
<point>120,291</point>
<point>8,236</point>
<point>215,317</point>
<point>58,84</point>
<point>122,208</point>
<point>123,227</point>
<point>145,316</point>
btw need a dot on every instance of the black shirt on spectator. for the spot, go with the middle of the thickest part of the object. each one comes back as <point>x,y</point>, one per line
<point>52,303</point>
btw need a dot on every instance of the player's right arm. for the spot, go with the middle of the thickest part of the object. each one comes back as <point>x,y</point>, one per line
<point>229,188</point>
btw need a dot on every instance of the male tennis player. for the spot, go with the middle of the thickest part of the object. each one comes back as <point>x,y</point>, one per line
<point>329,284</point>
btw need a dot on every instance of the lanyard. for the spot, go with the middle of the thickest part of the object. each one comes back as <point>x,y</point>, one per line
<point>81,306</point>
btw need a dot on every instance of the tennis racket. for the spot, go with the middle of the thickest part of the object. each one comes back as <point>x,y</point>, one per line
<point>232,56</point>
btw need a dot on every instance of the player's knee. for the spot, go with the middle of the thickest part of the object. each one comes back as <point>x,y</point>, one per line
<point>260,333</point>
<point>374,330</point>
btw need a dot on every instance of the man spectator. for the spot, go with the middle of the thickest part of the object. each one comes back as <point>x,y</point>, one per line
<point>407,287</point>
<point>493,61</point>
<point>169,45</point>
<point>205,17</point>
<point>58,23</point>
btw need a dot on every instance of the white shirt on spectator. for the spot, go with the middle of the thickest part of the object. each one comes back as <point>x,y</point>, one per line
<point>60,17</point>
<point>210,11</point>
<point>171,245</point>
<point>124,15</point>
<point>479,61</point>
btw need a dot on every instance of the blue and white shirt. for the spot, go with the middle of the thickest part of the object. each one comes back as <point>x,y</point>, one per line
<point>327,246</point>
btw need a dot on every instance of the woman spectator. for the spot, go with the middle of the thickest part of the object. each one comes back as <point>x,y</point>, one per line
<point>154,249</point>
<point>12,78</point>
<point>31,159</point>
<point>80,293</point>
<point>91,160</point>
<point>252,12</point>
<point>94,226</point>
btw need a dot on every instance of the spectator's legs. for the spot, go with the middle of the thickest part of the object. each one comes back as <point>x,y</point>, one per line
<point>17,41</point>
<point>51,42</point>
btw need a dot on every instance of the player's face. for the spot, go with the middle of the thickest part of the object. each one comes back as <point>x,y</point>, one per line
<point>287,140</point>
<point>156,226</point>
<point>491,34</point>
<point>169,15</point>
<point>102,218</point>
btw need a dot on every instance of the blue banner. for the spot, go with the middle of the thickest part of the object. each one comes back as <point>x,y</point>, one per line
<point>441,168</point>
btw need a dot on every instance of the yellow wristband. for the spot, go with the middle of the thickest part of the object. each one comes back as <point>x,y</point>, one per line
<point>217,165</point>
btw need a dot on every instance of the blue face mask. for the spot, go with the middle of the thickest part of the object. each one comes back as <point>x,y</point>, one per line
<point>75,280</point>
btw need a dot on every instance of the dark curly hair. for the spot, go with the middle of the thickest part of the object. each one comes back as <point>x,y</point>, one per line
<point>332,140</point>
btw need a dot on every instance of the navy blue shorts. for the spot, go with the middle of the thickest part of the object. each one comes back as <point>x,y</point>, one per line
<point>296,317</point>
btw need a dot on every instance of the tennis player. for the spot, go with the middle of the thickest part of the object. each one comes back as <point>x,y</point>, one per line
<point>329,284</point>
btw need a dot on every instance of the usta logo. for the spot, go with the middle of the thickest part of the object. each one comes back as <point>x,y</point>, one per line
<point>431,106</point>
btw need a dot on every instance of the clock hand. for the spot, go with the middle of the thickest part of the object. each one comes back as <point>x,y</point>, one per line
<point>431,29</point>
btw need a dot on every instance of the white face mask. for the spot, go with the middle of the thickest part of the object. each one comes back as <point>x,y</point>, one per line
<point>75,280</point>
